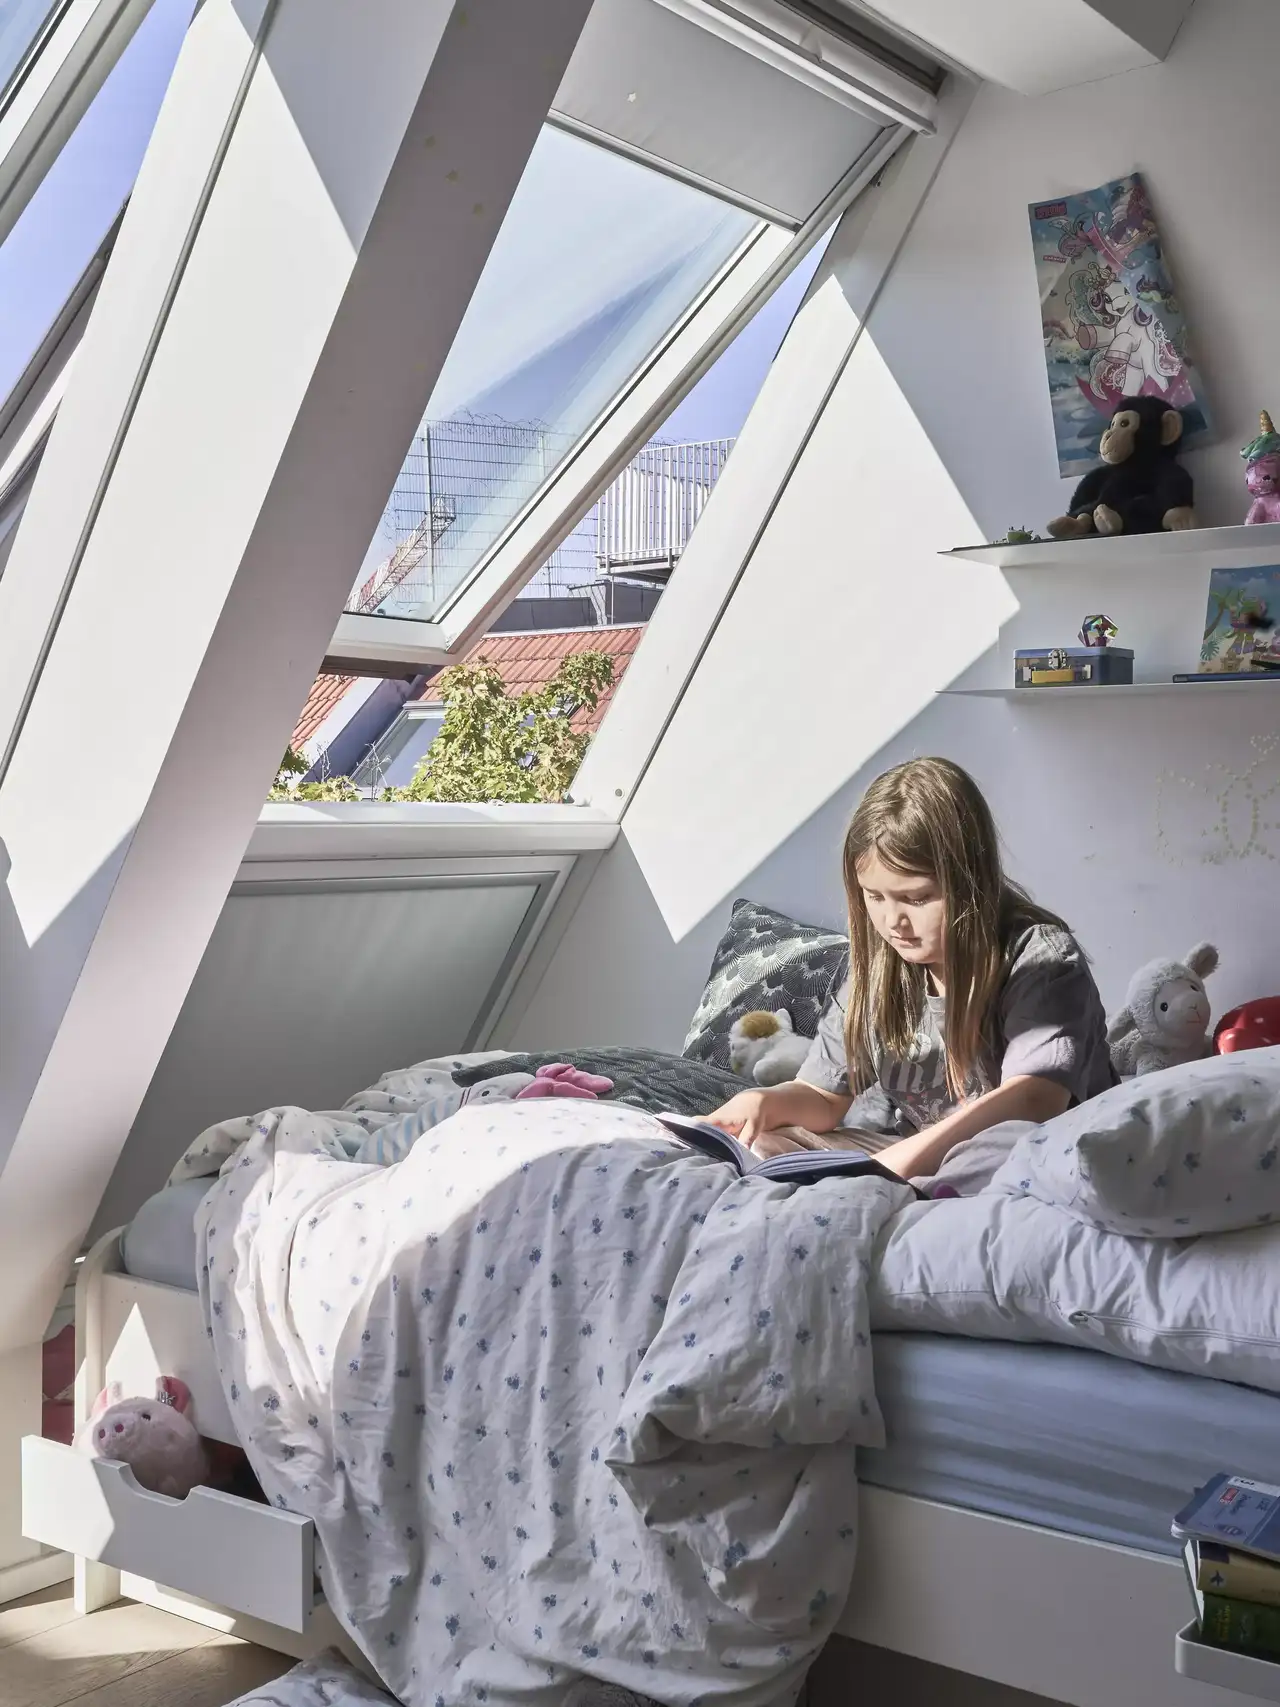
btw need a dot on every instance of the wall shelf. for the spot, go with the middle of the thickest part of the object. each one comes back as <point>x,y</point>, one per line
<point>1236,547</point>
<point>1110,689</point>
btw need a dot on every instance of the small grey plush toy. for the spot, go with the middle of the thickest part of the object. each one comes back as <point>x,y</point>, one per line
<point>1165,1017</point>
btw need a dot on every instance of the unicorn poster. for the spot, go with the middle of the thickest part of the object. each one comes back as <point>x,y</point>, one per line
<point>1112,324</point>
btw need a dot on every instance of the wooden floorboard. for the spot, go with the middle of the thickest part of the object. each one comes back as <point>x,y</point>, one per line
<point>36,1613</point>
<point>127,1655</point>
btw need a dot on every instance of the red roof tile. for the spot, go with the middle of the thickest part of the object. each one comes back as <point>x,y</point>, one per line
<point>325,693</point>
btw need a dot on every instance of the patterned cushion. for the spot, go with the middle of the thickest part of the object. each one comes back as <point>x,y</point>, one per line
<point>764,960</point>
<point>642,1078</point>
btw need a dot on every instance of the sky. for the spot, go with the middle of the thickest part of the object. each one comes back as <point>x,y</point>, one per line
<point>69,215</point>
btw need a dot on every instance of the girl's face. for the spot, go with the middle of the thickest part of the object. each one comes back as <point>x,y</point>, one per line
<point>908,910</point>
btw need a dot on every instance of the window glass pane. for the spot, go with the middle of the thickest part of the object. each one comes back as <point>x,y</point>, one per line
<point>67,218</point>
<point>394,758</point>
<point>21,22</point>
<point>597,259</point>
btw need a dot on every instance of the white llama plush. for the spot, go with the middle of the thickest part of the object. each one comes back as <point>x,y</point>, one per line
<point>765,1047</point>
<point>1166,1015</point>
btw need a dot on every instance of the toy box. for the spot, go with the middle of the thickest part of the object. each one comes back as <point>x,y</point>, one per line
<point>1072,666</point>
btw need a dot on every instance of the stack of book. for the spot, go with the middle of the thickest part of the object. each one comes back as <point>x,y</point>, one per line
<point>1231,1544</point>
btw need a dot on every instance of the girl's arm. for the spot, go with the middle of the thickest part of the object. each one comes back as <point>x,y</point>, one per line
<point>1025,1098</point>
<point>750,1114</point>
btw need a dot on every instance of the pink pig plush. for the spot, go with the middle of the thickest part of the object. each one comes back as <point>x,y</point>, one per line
<point>156,1437</point>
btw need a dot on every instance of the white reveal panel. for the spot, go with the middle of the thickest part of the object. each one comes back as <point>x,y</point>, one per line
<point>676,93</point>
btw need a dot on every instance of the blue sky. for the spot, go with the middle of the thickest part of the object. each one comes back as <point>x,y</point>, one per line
<point>71,212</point>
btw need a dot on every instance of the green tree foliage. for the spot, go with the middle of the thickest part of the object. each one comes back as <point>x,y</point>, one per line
<point>491,745</point>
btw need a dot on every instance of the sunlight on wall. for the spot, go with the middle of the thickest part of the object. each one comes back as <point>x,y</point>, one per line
<point>864,624</point>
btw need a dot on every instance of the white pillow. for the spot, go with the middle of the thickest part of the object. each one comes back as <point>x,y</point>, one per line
<point>1191,1149</point>
<point>995,1267</point>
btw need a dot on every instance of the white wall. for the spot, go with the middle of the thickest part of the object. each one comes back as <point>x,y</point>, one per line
<point>845,622</point>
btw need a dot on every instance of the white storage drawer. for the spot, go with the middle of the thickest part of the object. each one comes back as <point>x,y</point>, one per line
<point>246,1557</point>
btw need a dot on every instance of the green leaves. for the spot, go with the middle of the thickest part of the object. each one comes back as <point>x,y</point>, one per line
<point>491,745</point>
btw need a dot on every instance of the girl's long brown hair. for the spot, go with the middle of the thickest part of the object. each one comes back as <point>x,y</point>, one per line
<point>927,818</point>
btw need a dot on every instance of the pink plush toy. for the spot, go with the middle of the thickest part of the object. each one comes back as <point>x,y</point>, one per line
<point>156,1437</point>
<point>1262,473</point>
<point>559,1079</point>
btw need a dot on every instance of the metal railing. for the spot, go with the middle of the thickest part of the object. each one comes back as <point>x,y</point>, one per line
<point>645,519</point>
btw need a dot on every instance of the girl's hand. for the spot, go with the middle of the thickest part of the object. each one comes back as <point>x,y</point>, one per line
<point>748,1116</point>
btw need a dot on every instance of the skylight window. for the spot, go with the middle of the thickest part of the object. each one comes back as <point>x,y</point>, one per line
<point>22,24</point>
<point>66,219</point>
<point>597,258</point>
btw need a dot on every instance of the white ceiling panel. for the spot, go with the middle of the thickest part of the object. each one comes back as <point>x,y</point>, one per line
<point>678,94</point>
<point>1035,46</point>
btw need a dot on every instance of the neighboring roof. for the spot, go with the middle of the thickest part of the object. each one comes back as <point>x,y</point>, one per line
<point>325,695</point>
<point>524,660</point>
<point>527,661</point>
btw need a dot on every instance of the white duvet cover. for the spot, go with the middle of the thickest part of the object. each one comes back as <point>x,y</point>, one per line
<point>560,1396</point>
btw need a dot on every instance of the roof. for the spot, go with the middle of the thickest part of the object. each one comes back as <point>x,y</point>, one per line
<point>325,696</point>
<point>524,661</point>
<point>527,661</point>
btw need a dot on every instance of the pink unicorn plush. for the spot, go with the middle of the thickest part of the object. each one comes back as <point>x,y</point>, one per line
<point>1262,473</point>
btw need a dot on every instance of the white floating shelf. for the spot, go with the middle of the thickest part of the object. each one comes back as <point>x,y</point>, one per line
<point>1247,1674</point>
<point>1237,547</point>
<point>1109,689</point>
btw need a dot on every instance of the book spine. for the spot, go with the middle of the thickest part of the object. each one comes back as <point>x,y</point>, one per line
<point>1241,1625</point>
<point>1241,1579</point>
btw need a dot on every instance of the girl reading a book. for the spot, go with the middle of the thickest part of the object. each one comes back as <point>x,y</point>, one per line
<point>965,1003</point>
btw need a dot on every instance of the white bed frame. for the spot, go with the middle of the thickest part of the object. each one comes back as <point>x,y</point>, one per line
<point>1075,1620</point>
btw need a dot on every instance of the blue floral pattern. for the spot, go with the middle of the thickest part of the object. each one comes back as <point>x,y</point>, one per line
<point>1169,1155</point>
<point>538,1415</point>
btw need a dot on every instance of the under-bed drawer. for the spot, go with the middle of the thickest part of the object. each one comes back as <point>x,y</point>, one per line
<point>245,1557</point>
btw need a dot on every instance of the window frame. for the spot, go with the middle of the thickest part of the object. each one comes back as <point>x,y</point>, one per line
<point>661,381</point>
<point>52,89</point>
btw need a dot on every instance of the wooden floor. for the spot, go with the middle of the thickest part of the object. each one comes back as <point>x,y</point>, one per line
<point>125,1656</point>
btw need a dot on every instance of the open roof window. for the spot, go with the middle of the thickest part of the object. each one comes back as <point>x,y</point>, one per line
<point>692,158</point>
<point>597,259</point>
<point>53,259</point>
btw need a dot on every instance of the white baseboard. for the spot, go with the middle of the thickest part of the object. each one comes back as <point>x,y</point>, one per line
<point>32,1575</point>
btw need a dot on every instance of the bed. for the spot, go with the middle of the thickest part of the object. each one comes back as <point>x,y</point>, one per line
<point>1023,1494</point>
<point>1056,1436</point>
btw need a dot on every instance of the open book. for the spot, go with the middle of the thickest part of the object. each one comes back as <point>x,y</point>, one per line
<point>796,1167</point>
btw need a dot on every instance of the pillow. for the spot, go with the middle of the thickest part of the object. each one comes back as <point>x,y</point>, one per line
<point>764,960</point>
<point>1191,1149</point>
<point>1011,1268</point>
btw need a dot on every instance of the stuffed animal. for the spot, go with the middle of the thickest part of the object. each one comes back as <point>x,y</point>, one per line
<point>1165,1016</point>
<point>764,1047</point>
<point>1256,1025</point>
<point>155,1437</point>
<point>1141,487</point>
<point>1262,473</point>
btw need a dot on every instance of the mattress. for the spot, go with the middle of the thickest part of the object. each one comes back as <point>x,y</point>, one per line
<point>1068,1439</point>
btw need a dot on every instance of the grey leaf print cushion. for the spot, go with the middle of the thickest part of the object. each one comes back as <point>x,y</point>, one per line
<point>1189,1150</point>
<point>647,1079</point>
<point>764,960</point>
